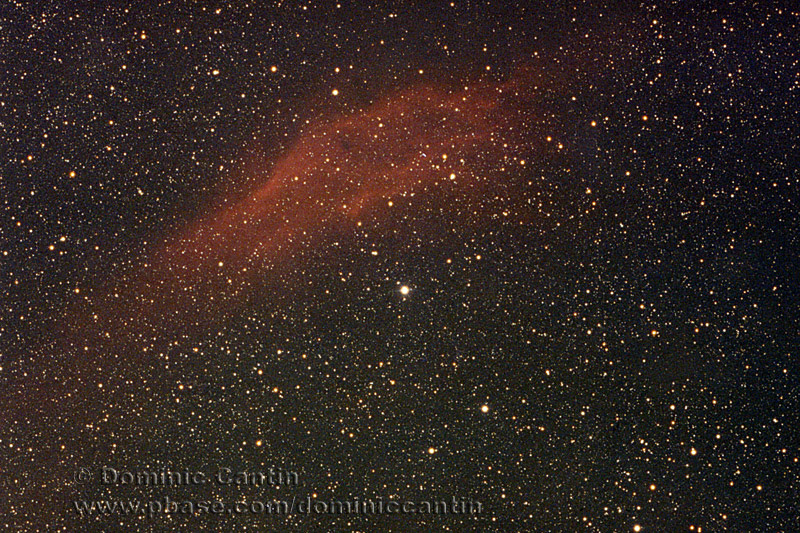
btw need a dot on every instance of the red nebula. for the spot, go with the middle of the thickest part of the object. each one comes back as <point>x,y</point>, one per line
<point>335,173</point>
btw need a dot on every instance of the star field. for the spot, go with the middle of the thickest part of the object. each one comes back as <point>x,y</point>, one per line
<point>543,258</point>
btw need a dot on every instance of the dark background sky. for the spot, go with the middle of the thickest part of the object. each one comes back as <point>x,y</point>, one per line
<point>623,304</point>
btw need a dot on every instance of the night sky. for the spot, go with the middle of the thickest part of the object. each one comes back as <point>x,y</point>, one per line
<point>541,257</point>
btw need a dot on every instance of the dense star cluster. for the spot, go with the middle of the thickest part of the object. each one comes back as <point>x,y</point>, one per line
<point>538,263</point>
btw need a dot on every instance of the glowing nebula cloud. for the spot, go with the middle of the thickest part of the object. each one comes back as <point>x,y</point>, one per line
<point>426,140</point>
<point>338,169</point>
